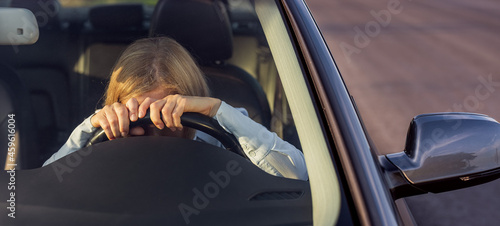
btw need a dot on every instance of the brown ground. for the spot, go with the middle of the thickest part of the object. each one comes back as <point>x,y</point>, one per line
<point>430,56</point>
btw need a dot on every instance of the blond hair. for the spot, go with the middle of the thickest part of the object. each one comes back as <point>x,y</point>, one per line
<point>150,63</point>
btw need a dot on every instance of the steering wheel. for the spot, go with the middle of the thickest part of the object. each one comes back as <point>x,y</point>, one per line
<point>193,120</point>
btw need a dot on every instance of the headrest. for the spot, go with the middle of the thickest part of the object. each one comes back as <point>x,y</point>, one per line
<point>201,26</point>
<point>117,17</point>
<point>46,12</point>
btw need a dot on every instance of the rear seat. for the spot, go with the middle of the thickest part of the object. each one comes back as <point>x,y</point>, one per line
<point>203,28</point>
<point>105,37</point>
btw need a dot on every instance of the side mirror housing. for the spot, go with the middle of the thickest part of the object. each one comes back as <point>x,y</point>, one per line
<point>445,151</point>
<point>17,27</point>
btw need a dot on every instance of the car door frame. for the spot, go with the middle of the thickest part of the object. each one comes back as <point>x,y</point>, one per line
<point>370,195</point>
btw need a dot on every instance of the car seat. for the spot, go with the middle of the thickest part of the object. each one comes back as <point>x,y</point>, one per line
<point>204,29</point>
<point>107,35</point>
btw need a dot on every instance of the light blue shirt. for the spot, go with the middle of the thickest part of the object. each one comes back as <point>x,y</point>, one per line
<point>264,148</point>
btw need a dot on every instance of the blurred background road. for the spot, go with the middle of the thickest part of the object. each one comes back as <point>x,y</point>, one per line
<point>401,58</point>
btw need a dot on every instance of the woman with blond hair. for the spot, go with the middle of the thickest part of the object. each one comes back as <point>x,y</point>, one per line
<point>160,75</point>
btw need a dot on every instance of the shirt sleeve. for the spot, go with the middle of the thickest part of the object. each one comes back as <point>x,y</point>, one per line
<point>78,138</point>
<point>264,148</point>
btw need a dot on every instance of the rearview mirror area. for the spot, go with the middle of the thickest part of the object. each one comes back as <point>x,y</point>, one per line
<point>443,152</point>
<point>18,27</point>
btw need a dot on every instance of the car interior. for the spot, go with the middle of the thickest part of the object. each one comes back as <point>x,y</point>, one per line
<point>54,84</point>
<point>60,80</point>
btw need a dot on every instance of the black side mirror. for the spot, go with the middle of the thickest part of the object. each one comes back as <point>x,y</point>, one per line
<point>443,152</point>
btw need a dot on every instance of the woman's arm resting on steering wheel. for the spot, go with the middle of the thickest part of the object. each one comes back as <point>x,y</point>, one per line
<point>77,140</point>
<point>264,148</point>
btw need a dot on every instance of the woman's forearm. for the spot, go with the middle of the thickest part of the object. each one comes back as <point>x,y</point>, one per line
<point>264,148</point>
<point>78,138</point>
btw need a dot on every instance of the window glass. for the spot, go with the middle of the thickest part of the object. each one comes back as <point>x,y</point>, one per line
<point>325,189</point>
<point>79,3</point>
<point>74,61</point>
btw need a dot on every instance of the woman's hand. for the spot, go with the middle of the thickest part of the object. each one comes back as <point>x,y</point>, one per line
<point>115,119</point>
<point>171,108</point>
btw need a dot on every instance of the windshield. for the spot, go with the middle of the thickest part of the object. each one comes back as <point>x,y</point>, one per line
<point>244,49</point>
<point>80,3</point>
